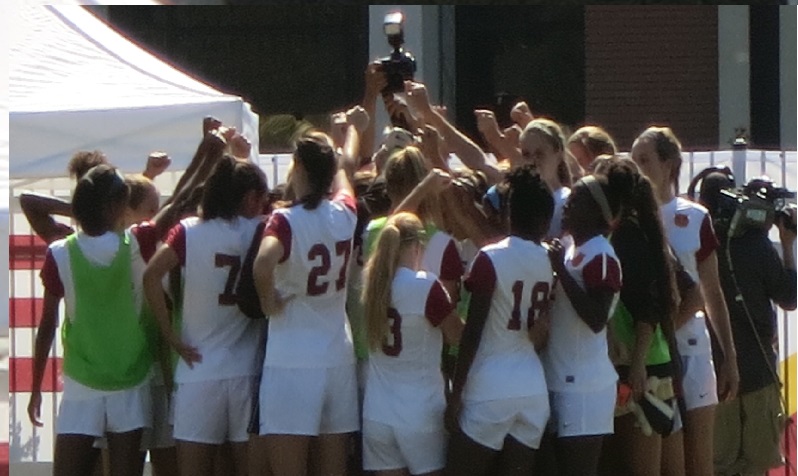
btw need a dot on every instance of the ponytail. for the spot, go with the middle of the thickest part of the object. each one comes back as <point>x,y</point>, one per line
<point>401,230</point>
<point>314,151</point>
<point>638,202</point>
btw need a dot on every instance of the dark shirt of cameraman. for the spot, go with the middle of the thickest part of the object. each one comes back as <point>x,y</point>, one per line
<point>763,279</point>
<point>753,279</point>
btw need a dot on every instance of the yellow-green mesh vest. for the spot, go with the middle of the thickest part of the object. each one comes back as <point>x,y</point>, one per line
<point>623,329</point>
<point>105,344</point>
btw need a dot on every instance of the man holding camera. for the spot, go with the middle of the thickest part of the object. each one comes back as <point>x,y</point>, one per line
<point>748,428</point>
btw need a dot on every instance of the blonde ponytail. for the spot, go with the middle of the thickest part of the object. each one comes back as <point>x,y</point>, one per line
<point>400,231</point>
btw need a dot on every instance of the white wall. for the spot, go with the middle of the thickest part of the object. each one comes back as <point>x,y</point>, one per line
<point>789,83</point>
<point>422,38</point>
<point>734,109</point>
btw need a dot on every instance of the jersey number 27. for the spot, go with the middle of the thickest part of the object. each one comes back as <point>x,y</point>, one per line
<point>320,250</point>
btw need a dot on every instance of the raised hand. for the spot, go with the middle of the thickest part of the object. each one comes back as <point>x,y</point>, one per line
<point>520,114</point>
<point>358,117</point>
<point>157,162</point>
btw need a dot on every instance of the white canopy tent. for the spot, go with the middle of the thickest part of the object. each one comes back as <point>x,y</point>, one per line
<point>76,84</point>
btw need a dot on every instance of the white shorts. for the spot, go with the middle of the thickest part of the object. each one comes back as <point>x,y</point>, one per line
<point>313,401</point>
<point>699,384</point>
<point>386,447</point>
<point>583,414</point>
<point>213,411</point>
<point>489,423</point>
<point>159,435</point>
<point>117,412</point>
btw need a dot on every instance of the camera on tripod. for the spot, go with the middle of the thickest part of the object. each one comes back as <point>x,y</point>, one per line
<point>400,65</point>
<point>759,204</point>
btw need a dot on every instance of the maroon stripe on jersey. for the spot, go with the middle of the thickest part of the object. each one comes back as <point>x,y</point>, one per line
<point>26,252</point>
<point>598,275</point>
<point>438,305</point>
<point>25,312</point>
<point>709,241</point>
<point>20,375</point>
<point>482,276</point>
<point>279,227</point>
<point>451,264</point>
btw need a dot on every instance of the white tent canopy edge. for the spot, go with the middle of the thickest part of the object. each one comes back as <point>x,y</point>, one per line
<point>76,84</point>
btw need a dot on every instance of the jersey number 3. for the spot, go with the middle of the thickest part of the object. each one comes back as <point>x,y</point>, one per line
<point>538,302</point>
<point>320,250</point>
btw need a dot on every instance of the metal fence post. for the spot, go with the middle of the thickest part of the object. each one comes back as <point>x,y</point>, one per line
<point>739,150</point>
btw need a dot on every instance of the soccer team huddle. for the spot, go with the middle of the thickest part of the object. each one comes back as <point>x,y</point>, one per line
<point>386,313</point>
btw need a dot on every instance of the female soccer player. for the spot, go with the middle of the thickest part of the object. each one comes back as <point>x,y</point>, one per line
<point>216,342</point>
<point>658,153</point>
<point>543,144</point>
<point>642,325</point>
<point>580,376</point>
<point>308,387</point>
<point>408,311</point>
<point>499,404</point>
<point>97,271</point>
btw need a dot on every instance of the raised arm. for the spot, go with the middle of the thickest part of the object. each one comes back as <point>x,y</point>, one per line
<point>375,82</point>
<point>39,210</point>
<point>467,151</point>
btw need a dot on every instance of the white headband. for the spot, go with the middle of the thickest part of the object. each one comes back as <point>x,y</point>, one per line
<point>598,195</point>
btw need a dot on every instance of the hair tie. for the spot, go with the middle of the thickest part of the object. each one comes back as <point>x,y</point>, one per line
<point>598,195</point>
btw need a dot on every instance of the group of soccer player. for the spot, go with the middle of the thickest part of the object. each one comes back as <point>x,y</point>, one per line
<point>386,313</point>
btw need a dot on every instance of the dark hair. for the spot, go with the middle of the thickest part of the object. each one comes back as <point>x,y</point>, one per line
<point>99,200</point>
<point>639,203</point>
<point>317,157</point>
<point>530,203</point>
<point>227,185</point>
<point>82,161</point>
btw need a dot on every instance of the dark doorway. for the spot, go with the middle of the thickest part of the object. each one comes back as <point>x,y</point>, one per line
<point>533,52</point>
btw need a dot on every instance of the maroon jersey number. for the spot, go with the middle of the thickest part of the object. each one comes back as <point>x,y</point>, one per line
<point>392,345</point>
<point>228,297</point>
<point>320,250</point>
<point>539,302</point>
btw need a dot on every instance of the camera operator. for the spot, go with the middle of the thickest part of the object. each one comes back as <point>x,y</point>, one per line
<point>748,427</point>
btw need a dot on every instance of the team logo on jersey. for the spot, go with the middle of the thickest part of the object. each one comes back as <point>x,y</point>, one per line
<point>681,220</point>
<point>578,259</point>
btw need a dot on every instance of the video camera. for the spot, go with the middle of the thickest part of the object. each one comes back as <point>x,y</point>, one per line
<point>400,65</point>
<point>757,205</point>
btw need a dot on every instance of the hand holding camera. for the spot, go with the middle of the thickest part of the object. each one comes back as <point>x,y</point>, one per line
<point>400,65</point>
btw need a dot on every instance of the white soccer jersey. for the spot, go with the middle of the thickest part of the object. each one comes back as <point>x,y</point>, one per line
<point>313,330</point>
<point>560,196</point>
<point>519,275</point>
<point>210,253</point>
<point>442,257</point>
<point>576,358</point>
<point>692,238</point>
<point>404,384</point>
